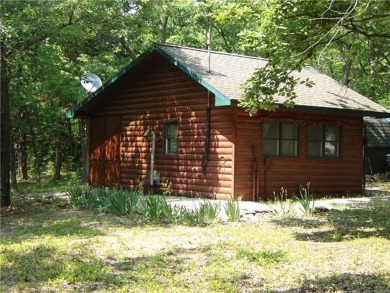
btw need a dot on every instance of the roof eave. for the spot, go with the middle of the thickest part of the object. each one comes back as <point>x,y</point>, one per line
<point>363,113</point>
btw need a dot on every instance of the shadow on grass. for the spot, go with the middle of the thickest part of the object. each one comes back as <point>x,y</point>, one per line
<point>343,283</point>
<point>84,272</point>
<point>33,221</point>
<point>44,263</point>
<point>342,225</point>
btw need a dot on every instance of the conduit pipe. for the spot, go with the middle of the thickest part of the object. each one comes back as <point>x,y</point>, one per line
<point>146,133</point>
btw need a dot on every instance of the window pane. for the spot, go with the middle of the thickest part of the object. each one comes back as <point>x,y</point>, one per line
<point>270,129</point>
<point>289,148</point>
<point>331,149</point>
<point>270,147</point>
<point>172,146</point>
<point>331,133</point>
<point>171,130</point>
<point>289,131</point>
<point>314,132</point>
<point>314,149</point>
<point>171,138</point>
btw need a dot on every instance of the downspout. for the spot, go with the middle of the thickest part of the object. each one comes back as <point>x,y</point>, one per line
<point>152,158</point>
<point>266,165</point>
<point>255,167</point>
<point>151,175</point>
<point>206,153</point>
<point>364,156</point>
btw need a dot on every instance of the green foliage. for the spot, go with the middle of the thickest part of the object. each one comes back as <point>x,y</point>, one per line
<point>306,200</point>
<point>156,208</point>
<point>207,213</point>
<point>210,210</point>
<point>347,41</point>
<point>119,202</point>
<point>123,202</point>
<point>232,208</point>
<point>80,197</point>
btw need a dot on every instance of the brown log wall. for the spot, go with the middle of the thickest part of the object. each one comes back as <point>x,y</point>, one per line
<point>104,167</point>
<point>162,94</point>
<point>327,176</point>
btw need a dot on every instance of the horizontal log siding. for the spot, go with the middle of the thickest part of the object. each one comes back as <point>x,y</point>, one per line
<point>247,139</point>
<point>327,176</point>
<point>163,94</point>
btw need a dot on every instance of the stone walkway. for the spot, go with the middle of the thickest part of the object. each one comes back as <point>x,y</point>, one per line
<point>250,209</point>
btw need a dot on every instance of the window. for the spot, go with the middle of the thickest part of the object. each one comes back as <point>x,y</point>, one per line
<point>323,141</point>
<point>171,138</point>
<point>280,139</point>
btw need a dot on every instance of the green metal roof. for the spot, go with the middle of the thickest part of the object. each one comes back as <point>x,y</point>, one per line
<point>377,132</point>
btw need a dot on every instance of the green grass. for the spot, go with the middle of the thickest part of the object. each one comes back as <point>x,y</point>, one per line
<point>47,184</point>
<point>50,249</point>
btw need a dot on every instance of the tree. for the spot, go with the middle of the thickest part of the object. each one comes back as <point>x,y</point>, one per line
<point>293,32</point>
<point>33,33</point>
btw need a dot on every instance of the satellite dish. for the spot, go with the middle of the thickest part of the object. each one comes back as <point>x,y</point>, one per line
<point>90,82</point>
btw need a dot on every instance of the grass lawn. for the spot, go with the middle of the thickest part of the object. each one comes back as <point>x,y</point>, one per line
<point>48,246</point>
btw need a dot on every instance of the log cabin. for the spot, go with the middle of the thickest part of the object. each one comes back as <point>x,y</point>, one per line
<point>172,118</point>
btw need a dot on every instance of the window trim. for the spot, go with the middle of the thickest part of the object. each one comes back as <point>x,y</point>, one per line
<point>168,139</point>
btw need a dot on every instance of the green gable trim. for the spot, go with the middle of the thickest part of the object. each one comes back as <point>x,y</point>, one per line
<point>220,98</point>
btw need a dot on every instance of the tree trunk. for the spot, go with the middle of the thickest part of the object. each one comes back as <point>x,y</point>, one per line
<point>84,140</point>
<point>347,71</point>
<point>22,156</point>
<point>58,160</point>
<point>14,182</point>
<point>5,145</point>
<point>37,159</point>
<point>163,29</point>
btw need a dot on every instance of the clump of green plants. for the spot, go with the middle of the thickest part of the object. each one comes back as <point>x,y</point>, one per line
<point>282,204</point>
<point>209,210</point>
<point>80,197</point>
<point>122,202</point>
<point>207,213</point>
<point>156,208</point>
<point>232,208</point>
<point>306,200</point>
<point>117,201</point>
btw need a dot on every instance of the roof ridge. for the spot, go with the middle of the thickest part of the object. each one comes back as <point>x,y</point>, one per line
<point>213,51</point>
